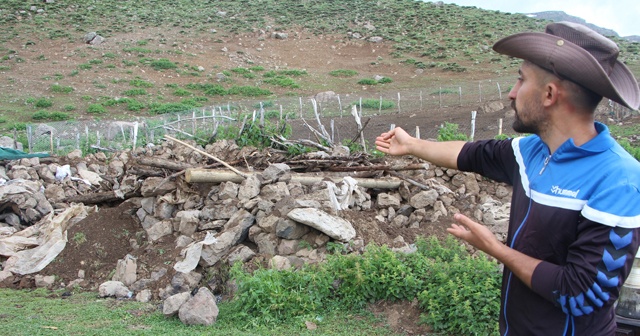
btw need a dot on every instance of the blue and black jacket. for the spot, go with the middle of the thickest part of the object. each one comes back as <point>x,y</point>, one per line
<point>577,210</point>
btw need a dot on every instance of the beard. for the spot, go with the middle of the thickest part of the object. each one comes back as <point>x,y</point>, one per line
<point>532,125</point>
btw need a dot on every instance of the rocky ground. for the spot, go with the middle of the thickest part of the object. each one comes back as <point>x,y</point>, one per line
<point>139,240</point>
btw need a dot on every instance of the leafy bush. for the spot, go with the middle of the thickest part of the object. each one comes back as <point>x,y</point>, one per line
<point>135,92</point>
<point>181,92</point>
<point>138,82</point>
<point>61,89</point>
<point>162,64</point>
<point>282,82</point>
<point>240,70</point>
<point>169,108</point>
<point>448,283</point>
<point>292,72</point>
<point>376,104</point>
<point>96,109</point>
<point>43,103</point>
<point>367,81</point>
<point>343,73</point>
<point>633,150</point>
<point>248,91</point>
<point>449,132</point>
<point>385,80</point>
<point>40,115</point>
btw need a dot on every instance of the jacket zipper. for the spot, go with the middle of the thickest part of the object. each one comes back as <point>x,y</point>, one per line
<point>546,162</point>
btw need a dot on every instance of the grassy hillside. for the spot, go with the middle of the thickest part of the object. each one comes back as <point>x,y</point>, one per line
<point>162,56</point>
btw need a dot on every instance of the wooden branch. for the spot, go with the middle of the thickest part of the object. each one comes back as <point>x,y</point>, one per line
<point>417,184</point>
<point>198,175</point>
<point>102,197</point>
<point>360,131</point>
<point>208,155</point>
<point>378,167</point>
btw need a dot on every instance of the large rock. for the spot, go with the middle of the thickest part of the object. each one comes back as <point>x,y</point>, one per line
<point>126,270</point>
<point>235,231</point>
<point>334,227</point>
<point>172,304</point>
<point>201,309</point>
<point>114,288</point>
<point>424,198</point>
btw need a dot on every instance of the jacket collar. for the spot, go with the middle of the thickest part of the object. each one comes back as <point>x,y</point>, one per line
<point>600,143</point>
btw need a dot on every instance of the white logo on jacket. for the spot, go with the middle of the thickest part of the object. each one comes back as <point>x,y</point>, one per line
<point>565,192</point>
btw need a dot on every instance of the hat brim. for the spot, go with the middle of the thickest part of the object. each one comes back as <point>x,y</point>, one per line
<point>574,63</point>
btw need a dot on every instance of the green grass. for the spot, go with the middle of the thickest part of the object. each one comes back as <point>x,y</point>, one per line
<point>41,312</point>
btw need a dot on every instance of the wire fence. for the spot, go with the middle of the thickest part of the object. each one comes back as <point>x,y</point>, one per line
<point>338,113</point>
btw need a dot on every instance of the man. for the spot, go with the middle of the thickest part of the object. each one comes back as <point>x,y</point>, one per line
<point>575,210</point>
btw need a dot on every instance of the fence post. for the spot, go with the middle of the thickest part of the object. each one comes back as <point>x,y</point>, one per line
<point>392,126</point>
<point>440,96</point>
<point>460,94</point>
<point>499,91</point>
<point>340,105</point>
<point>332,124</point>
<point>135,135</point>
<point>29,138</point>
<point>500,126</point>
<point>300,98</point>
<point>473,124</point>
<point>399,110</point>
<point>77,140</point>
<point>417,132</point>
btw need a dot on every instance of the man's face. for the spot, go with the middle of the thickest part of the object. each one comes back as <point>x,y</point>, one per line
<point>526,99</point>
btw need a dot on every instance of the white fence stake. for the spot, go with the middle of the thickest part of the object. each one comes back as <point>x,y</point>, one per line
<point>399,109</point>
<point>135,135</point>
<point>417,132</point>
<point>460,94</point>
<point>499,91</point>
<point>500,126</point>
<point>473,124</point>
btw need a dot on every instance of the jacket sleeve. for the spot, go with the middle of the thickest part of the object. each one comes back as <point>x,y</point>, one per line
<point>597,265</point>
<point>491,158</point>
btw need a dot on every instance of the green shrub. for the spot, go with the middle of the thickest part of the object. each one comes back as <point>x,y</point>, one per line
<point>61,89</point>
<point>43,103</point>
<point>376,104</point>
<point>40,115</point>
<point>84,66</point>
<point>448,283</point>
<point>59,116</point>
<point>343,73</point>
<point>248,91</point>
<point>162,64</point>
<point>96,109</point>
<point>449,132</point>
<point>135,92</point>
<point>282,82</point>
<point>138,82</point>
<point>240,70</point>
<point>633,150</point>
<point>180,92</point>
<point>367,81</point>
<point>169,108</point>
<point>69,108</point>
<point>385,80</point>
<point>257,68</point>
<point>292,72</point>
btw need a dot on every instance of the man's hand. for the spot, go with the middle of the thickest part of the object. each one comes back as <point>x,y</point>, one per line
<point>475,234</point>
<point>394,142</point>
<point>483,239</point>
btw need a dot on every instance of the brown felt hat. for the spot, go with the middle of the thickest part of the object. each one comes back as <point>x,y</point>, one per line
<point>579,54</point>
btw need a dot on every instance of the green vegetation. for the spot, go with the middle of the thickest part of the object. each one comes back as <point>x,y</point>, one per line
<point>84,314</point>
<point>449,132</point>
<point>449,284</point>
<point>376,104</point>
<point>52,116</point>
<point>61,89</point>
<point>343,73</point>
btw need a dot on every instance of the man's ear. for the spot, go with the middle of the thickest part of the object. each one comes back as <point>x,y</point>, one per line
<point>552,92</point>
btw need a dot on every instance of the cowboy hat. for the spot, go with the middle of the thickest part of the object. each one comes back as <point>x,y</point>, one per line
<point>579,54</point>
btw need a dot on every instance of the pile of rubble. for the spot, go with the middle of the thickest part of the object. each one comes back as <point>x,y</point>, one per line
<point>280,214</point>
